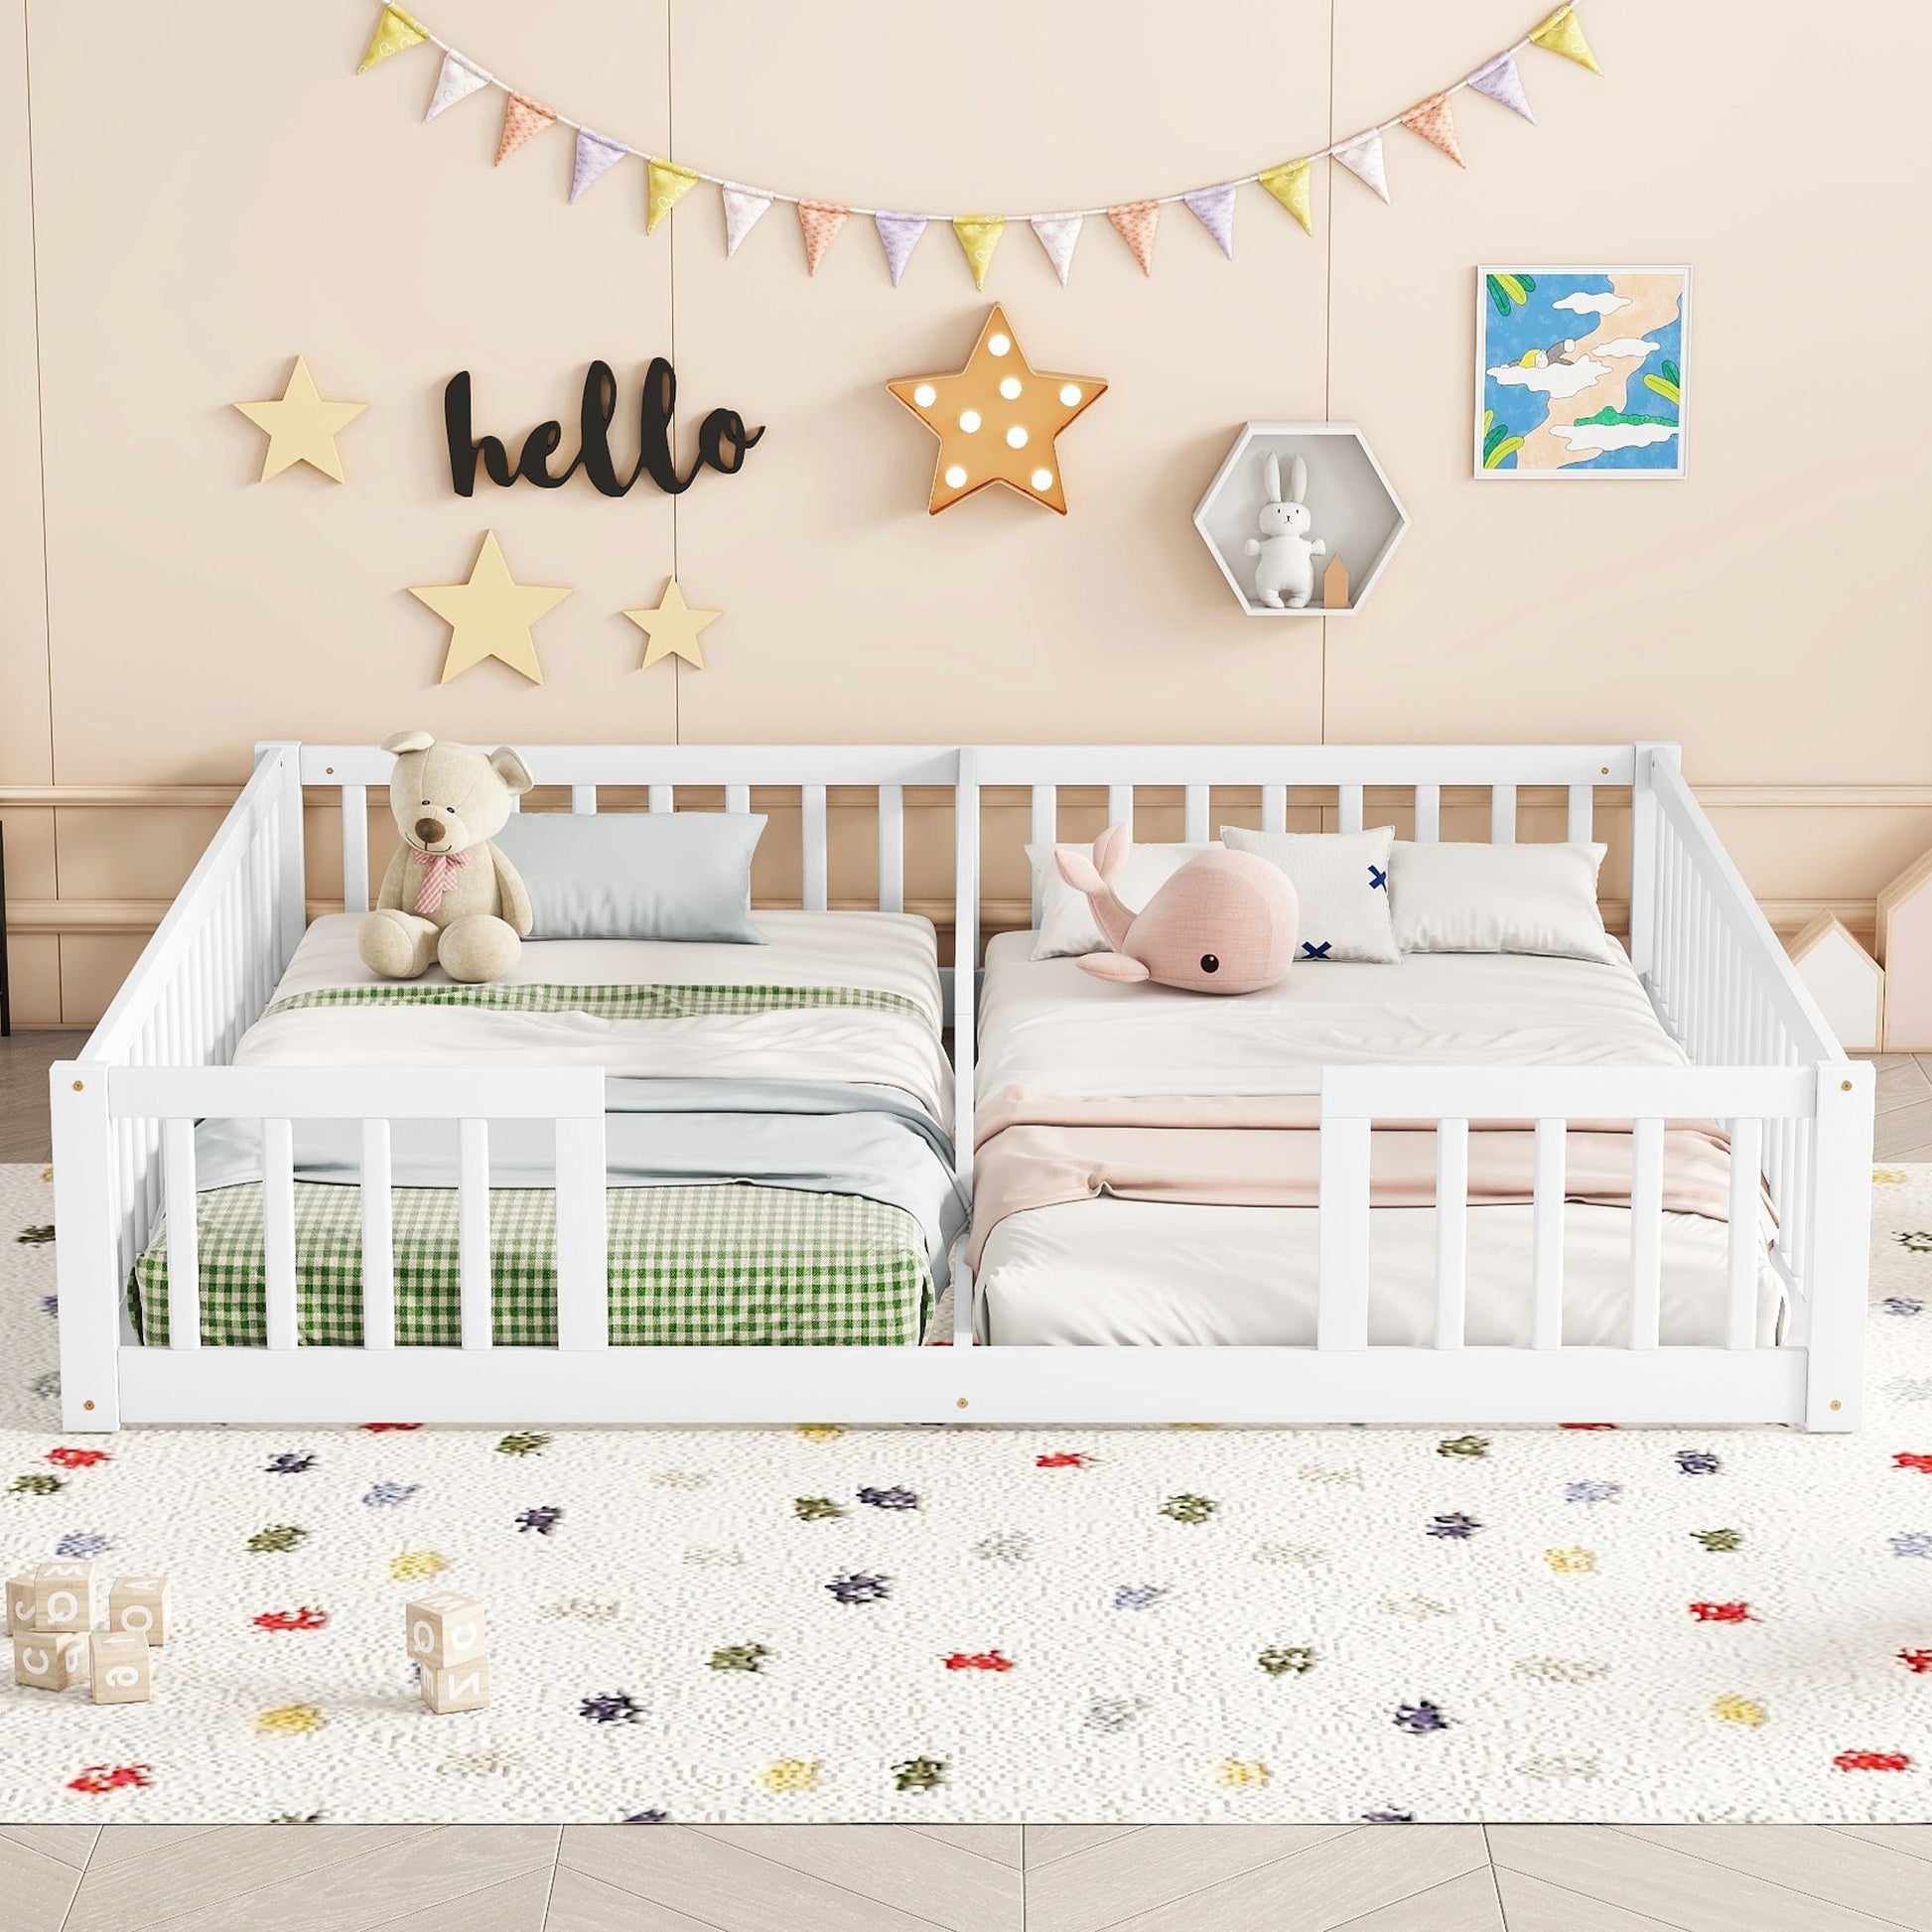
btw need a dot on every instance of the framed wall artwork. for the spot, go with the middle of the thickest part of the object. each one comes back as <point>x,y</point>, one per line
<point>1580,372</point>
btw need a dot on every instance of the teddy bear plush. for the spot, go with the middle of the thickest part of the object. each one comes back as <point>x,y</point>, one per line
<point>450,899</point>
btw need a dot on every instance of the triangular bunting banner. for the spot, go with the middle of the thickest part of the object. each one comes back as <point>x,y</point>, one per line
<point>899,234</point>
<point>394,31</point>
<point>1057,233</point>
<point>1289,183</point>
<point>457,81</point>
<point>742,207</point>
<point>1500,82</point>
<point>522,119</point>
<point>1562,33</point>
<point>978,236</point>
<point>1213,207</point>
<point>596,155</point>
<point>1135,220</point>
<point>1433,120</point>
<point>1362,157</point>
<point>819,222</point>
<point>668,185</point>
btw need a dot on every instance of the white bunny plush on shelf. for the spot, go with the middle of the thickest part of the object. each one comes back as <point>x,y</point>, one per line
<point>1285,576</point>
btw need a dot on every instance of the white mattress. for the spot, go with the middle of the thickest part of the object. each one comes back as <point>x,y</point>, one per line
<point>1108,1270</point>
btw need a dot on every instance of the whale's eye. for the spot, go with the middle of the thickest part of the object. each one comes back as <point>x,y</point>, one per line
<point>1209,963</point>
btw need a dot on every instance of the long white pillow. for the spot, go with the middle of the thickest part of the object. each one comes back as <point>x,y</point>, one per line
<point>1341,886</point>
<point>1066,923</point>
<point>1532,898</point>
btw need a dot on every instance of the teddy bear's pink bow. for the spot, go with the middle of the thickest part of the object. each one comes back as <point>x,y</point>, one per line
<point>439,875</point>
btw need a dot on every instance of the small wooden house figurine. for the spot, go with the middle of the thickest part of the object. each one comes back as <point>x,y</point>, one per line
<point>1846,981</point>
<point>1905,952</point>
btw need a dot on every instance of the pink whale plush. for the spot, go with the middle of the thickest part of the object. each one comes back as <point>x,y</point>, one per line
<point>1223,923</point>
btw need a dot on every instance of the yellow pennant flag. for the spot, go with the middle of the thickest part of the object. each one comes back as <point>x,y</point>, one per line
<point>668,185</point>
<point>1563,33</point>
<point>978,236</point>
<point>1289,183</point>
<point>395,31</point>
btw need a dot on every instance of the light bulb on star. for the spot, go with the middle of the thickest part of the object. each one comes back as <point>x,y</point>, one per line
<point>997,419</point>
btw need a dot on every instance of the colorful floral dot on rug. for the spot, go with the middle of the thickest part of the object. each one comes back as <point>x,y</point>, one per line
<point>1388,1817</point>
<point>1286,1660</point>
<point>860,1589</point>
<point>1586,1425</point>
<point>278,1539</point>
<point>98,1778</point>
<point>1114,1715</point>
<point>1592,1492</point>
<point>76,1458</point>
<point>543,1519</point>
<point>739,1656</point>
<point>83,1542</point>
<point>650,1816</point>
<point>1912,1543</point>
<point>1005,1546</point>
<point>1723,1613</point>
<point>40,1235</point>
<point>1455,1526</point>
<point>1138,1597</point>
<point>1739,1711</point>
<point>1717,1542</point>
<point>1188,1509</point>
<point>1912,1460</point>
<point>386,1495</point>
<point>1915,1241</point>
<point>295,1818</point>
<point>46,1385</point>
<point>390,1428</point>
<point>290,1720</point>
<point>611,1707</point>
<point>523,1441</point>
<point>1888,1177</point>
<point>791,1774</point>
<point>920,1774</point>
<point>1918,1662</point>
<point>50,1305</point>
<point>818,1432</point>
<point>1873,1761</point>
<point>303,1619</point>
<point>1065,1460</point>
<point>986,1660</point>
<point>1240,1773</point>
<point>1473,1446</point>
<point>889,1499</point>
<point>1902,1305</point>
<point>815,1509</point>
<point>414,1565</point>
<point>36,1482</point>
<point>1570,1562</point>
<point>288,1463</point>
<point>1418,1718</point>
<point>1697,1462</point>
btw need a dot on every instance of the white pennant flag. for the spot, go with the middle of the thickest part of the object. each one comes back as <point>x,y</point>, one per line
<point>1057,233</point>
<point>457,81</point>
<point>1362,157</point>
<point>742,207</point>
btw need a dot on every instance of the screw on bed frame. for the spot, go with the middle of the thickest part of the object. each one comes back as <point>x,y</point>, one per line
<point>78,1088</point>
<point>86,1405</point>
<point>961,1403</point>
<point>1837,1405</point>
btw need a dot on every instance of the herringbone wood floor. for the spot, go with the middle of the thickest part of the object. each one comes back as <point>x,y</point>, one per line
<point>968,1877</point>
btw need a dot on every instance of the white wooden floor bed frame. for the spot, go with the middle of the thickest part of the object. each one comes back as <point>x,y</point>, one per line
<point>1765,1062</point>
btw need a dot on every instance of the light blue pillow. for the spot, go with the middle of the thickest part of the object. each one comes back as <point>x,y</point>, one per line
<point>637,874</point>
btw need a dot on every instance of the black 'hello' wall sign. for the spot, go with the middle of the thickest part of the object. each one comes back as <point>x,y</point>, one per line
<point>723,439</point>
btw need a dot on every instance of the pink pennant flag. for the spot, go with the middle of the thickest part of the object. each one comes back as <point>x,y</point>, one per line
<point>898,236</point>
<point>1213,207</point>
<point>1362,157</point>
<point>596,155</point>
<point>742,207</point>
<point>1499,79</point>
<point>1433,120</point>
<point>1057,233</point>
<point>1135,220</point>
<point>523,118</point>
<point>457,81</point>
<point>819,222</point>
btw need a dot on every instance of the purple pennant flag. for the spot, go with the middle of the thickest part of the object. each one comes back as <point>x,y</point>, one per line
<point>1499,79</point>
<point>898,236</point>
<point>1214,208</point>
<point>596,155</point>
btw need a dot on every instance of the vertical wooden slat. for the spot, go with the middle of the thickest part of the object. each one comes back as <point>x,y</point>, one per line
<point>583,1272</point>
<point>1274,809</point>
<point>1348,808</point>
<point>1342,1294</point>
<point>183,1256</point>
<point>355,849</point>
<point>1452,1229</point>
<point>1583,813</point>
<point>583,800</point>
<point>278,1231</point>
<point>473,1233</point>
<point>1502,814</point>
<point>378,1239</point>
<point>1546,1216</point>
<point>1194,815</point>
<point>661,798</point>
<point>891,848</point>
<point>1746,1149</point>
<point>1120,806</point>
<point>737,798</point>
<point>1429,814</point>
<point>811,831</point>
<point>1045,830</point>
<point>1646,1230</point>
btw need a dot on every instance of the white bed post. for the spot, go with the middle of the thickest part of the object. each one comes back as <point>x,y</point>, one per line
<point>1841,1239</point>
<point>84,1219</point>
<point>288,880</point>
<point>1644,834</point>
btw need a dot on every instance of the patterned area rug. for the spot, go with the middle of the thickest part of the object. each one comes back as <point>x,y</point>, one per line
<point>827,1626</point>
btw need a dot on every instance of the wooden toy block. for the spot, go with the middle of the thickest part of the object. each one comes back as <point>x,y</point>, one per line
<point>138,1607</point>
<point>63,1597</point>
<point>444,1629</point>
<point>20,1603</point>
<point>1334,585</point>
<point>50,1661</point>
<point>1905,952</point>
<point>460,1687</point>
<point>1846,981</point>
<point>118,1661</point>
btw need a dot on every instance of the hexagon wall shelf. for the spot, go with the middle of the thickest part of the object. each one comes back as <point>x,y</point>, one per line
<point>1352,503</point>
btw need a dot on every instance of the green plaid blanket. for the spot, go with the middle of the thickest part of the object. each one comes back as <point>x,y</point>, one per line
<point>618,1002</point>
<point>728,1264</point>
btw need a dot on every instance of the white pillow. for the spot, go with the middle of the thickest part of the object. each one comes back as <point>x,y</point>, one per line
<point>1535,899</point>
<point>1341,884</point>
<point>1066,925</point>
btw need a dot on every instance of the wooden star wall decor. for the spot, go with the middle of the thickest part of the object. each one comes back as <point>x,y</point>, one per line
<point>491,614</point>
<point>672,628</point>
<point>302,426</point>
<point>997,419</point>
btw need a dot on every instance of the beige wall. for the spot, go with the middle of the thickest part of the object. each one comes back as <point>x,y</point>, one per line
<point>192,208</point>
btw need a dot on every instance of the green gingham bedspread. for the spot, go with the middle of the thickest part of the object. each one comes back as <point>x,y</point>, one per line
<point>755,1265</point>
<point>642,1001</point>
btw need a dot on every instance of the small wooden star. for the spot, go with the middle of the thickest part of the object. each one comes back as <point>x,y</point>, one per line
<point>491,614</point>
<point>302,426</point>
<point>997,419</point>
<point>672,628</point>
